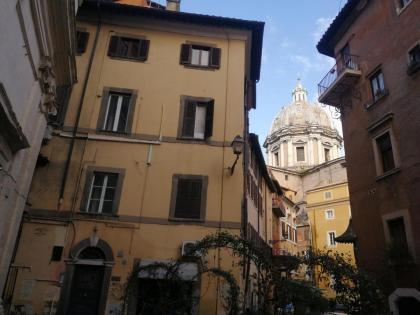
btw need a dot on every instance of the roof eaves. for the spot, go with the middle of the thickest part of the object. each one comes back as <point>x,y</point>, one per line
<point>339,25</point>
<point>256,27</point>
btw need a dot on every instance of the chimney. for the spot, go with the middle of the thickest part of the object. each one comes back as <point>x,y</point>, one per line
<point>173,5</point>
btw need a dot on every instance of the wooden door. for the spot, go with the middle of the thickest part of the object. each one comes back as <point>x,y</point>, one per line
<point>86,290</point>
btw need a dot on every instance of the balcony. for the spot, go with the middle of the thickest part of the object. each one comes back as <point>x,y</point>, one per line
<point>339,80</point>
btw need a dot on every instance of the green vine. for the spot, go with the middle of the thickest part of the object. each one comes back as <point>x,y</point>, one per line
<point>354,289</point>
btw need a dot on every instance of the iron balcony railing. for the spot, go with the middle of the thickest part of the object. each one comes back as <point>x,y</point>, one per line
<point>346,62</point>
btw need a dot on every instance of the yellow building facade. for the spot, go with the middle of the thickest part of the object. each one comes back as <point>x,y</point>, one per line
<point>329,213</point>
<point>140,165</point>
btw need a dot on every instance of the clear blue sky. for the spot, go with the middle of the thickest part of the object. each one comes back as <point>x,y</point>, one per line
<point>292,30</point>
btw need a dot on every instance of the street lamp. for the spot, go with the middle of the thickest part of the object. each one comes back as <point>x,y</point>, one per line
<point>237,147</point>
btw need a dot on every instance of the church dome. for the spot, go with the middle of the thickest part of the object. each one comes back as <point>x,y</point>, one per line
<point>300,113</point>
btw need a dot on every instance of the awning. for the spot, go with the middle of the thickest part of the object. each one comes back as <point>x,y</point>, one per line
<point>349,236</point>
<point>186,271</point>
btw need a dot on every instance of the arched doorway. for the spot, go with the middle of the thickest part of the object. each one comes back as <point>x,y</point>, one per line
<point>404,301</point>
<point>87,279</point>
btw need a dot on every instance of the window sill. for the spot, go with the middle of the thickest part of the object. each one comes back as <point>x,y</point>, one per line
<point>380,98</point>
<point>185,220</point>
<point>127,59</point>
<point>207,68</point>
<point>193,140</point>
<point>97,215</point>
<point>388,173</point>
<point>401,10</point>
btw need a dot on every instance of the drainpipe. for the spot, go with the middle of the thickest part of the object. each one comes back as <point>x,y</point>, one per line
<point>79,110</point>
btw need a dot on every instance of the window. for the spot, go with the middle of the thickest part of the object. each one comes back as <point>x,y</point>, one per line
<point>200,56</point>
<point>377,85</point>
<point>403,3</point>
<point>329,214</point>
<point>397,234</point>
<point>286,177</point>
<point>414,60</point>
<point>276,159</point>
<point>327,195</point>
<point>386,155</point>
<point>327,154</point>
<point>81,41</point>
<point>102,190</point>
<point>117,110</point>
<point>188,199</point>
<point>331,239</point>
<point>300,154</point>
<point>197,118</point>
<point>129,48</point>
<point>56,254</point>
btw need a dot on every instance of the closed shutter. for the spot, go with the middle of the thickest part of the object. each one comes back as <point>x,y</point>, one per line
<point>189,119</point>
<point>209,119</point>
<point>113,46</point>
<point>188,200</point>
<point>300,154</point>
<point>144,49</point>
<point>215,58</point>
<point>185,58</point>
<point>82,40</point>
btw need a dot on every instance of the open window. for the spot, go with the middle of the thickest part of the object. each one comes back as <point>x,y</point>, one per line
<point>102,190</point>
<point>196,119</point>
<point>377,85</point>
<point>117,109</point>
<point>200,56</point>
<point>129,48</point>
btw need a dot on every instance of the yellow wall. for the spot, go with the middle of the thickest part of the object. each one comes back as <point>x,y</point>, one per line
<point>146,191</point>
<point>317,206</point>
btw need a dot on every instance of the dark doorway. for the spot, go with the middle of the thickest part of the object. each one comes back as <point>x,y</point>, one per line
<point>408,306</point>
<point>86,290</point>
<point>157,297</point>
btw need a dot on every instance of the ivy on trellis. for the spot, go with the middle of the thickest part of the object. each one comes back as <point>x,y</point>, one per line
<point>355,290</point>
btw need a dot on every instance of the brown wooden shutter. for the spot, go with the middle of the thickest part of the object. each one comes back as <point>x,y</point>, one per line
<point>185,58</point>
<point>82,40</point>
<point>188,199</point>
<point>188,124</point>
<point>144,49</point>
<point>113,46</point>
<point>215,55</point>
<point>209,119</point>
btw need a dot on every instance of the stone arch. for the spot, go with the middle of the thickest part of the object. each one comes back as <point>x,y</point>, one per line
<point>104,260</point>
<point>401,293</point>
<point>101,244</point>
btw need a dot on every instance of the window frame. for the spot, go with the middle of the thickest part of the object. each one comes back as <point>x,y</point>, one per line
<point>413,67</point>
<point>374,77</point>
<point>325,195</point>
<point>329,239</point>
<point>304,153</point>
<point>209,117</point>
<point>327,157</point>
<point>174,195</point>
<point>107,91</point>
<point>90,172</point>
<point>142,41</point>
<point>214,51</point>
<point>380,172</point>
<point>329,211</point>
<point>81,50</point>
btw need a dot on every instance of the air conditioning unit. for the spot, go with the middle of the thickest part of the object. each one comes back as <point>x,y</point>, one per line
<point>187,247</point>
